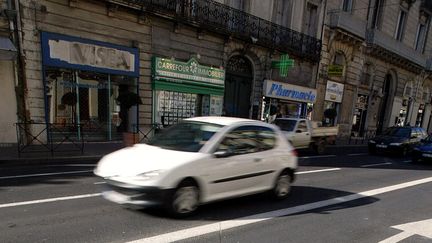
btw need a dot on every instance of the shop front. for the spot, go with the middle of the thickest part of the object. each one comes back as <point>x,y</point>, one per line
<point>332,102</point>
<point>185,89</point>
<point>287,100</point>
<point>90,87</point>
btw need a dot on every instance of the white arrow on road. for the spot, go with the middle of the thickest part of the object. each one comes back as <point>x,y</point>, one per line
<point>422,228</point>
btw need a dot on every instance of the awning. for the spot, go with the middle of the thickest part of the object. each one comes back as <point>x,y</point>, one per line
<point>8,50</point>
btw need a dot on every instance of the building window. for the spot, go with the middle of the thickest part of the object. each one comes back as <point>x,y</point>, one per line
<point>311,20</point>
<point>283,12</point>
<point>339,60</point>
<point>378,12</point>
<point>420,38</point>
<point>366,75</point>
<point>400,28</point>
<point>408,89</point>
<point>347,5</point>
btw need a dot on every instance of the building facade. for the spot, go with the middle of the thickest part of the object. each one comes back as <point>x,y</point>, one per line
<point>86,62</point>
<point>375,68</point>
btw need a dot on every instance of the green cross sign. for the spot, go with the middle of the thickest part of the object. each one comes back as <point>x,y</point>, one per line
<point>284,65</point>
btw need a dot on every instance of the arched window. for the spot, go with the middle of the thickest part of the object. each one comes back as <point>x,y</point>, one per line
<point>339,60</point>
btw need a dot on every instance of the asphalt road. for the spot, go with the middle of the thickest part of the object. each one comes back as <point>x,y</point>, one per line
<point>336,198</point>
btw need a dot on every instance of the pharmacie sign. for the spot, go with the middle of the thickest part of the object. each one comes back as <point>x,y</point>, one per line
<point>334,91</point>
<point>83,54</point>
<point>286,91</point>
<point>164,68</point>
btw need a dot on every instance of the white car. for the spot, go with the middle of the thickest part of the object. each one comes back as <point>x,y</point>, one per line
<point>200,160</point>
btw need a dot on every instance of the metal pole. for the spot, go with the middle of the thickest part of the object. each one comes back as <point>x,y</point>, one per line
<point>77,110</point>
<point>109,109</point>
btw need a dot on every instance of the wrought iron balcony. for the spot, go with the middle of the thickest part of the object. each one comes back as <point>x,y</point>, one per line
<point>222,19</point>
<point>348,22</point>
<point>426,5</point>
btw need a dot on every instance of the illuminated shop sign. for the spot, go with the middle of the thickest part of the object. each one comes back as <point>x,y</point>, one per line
<point>286,91</point>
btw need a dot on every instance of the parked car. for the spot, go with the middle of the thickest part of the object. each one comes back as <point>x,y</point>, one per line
<point>423,151</point>
<point>198,161</point>
<point>303,133</point>
<point>397,140</point>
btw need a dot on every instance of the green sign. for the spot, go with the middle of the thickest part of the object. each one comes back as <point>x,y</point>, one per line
<point>335,70</point>
<point>284,65</point>
<point>172,70</point>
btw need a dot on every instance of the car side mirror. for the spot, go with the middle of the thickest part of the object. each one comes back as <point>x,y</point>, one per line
<point>222,154</point>
<point>413,136</point>
<point>298,131</point>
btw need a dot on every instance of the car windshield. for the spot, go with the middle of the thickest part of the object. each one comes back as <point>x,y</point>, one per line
<point>285,124</point>
<point>398,132</point>
<point>428,139</point>
<point>187,136</point>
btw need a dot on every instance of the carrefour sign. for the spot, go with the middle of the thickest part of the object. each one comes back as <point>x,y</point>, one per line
<point>286,91</point>
<point>190,70</point>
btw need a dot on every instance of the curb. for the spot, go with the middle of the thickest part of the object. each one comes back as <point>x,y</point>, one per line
<point>50,160</point>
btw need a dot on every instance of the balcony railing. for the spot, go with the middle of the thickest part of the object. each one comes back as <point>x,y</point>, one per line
<point>426,5</point>
<point>348,22</point>
<point>378,38</point>
<point>220,18</point>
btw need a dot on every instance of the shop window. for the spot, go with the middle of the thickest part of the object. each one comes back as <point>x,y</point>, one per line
<point>87,103</point>
<point>331,110</point>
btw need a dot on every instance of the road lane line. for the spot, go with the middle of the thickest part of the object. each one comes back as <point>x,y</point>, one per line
<point>7,205</point>
<point>73,165</point>
<point>100,182</point>
<point>317,156</point>
<point>229,224</point>
<point>407,161</point>
<point>46,174</point>
<point>316,171</point>
<point>372,165</point>
<point>359,154</point>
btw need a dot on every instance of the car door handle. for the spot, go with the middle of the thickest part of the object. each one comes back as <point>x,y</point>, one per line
<point>257,160</point>
<point>307,133</point>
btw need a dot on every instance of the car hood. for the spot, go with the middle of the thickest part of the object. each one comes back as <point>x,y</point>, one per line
<point>142,158</point>
<point>389,139</point>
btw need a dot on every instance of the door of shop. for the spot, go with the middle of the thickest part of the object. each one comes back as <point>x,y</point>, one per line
<point>238,87</point>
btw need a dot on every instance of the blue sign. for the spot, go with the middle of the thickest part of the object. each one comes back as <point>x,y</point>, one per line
<point>84,54</point>
<point>289,92</point>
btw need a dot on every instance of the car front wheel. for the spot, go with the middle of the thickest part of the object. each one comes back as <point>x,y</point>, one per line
<point>185,200</point>
<point>282,187</point>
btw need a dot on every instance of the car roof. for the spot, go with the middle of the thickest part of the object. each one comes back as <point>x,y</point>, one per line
<point>220,120</point>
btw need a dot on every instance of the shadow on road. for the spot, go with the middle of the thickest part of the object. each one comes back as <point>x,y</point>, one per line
<point>261,203</point>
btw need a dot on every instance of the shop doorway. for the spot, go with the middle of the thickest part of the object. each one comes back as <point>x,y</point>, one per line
<point>385,108</point>
<point>238,87</point>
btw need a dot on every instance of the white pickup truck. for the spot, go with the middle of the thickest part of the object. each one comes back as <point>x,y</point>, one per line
<point>303,133</point>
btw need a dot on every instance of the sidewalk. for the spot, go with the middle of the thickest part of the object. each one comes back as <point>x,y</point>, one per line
<point>67,153</point>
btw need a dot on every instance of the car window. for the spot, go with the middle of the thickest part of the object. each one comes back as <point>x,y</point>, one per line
<point>302,126</point>
<point>285,124</point>
<point>248,139</point>
<point>185,136</point>
<point>398,132</point>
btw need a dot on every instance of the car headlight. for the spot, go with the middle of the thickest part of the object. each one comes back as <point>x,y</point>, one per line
<point>148,175</point>
<point>395,144</point>
<point>372,141</point>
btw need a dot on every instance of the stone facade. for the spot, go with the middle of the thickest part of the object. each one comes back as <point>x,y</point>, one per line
<point>385,60</point>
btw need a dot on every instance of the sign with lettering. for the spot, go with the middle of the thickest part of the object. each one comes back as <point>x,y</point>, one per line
<point>191,70</point>
<point>334,92</point>
<point>82,54</point>
<point>286,91</point>
<point>335,70</point>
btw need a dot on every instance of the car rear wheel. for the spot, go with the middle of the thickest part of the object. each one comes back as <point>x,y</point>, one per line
<point>320,147</point>
<point>282,187</point>
<point>185,200</point>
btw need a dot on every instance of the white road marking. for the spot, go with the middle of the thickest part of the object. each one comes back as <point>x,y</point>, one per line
<point>228,224</point>
<point>46,174</point>
<point>98,183</point>
<point>316,171</point>
<point>372,165</point>
<point>317,156</point>
<point>49,200</point>
<point>407,161</point>
<point>359,154</point>
<point>73,165</point>
<point>423,228</point>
